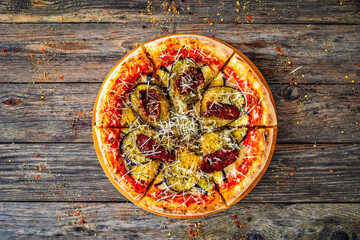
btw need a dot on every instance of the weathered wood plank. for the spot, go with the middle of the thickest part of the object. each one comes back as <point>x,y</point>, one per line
<point>117,221</point>
<point>71,172</point>
<point>87,52</point>
<point>66,109</point>
<point>332,12</point>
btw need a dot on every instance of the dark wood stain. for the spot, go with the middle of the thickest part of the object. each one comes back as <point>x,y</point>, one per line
<point>12,102</point>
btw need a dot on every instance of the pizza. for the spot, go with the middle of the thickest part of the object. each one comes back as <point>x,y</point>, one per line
<point>184,126</point>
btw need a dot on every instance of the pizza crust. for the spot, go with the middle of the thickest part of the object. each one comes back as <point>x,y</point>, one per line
<point>208,48</point>
<point>246,73</point>
<point>124,75</point>
<point>180,204</point>
<point>113,162</point>
<point>238,188</point>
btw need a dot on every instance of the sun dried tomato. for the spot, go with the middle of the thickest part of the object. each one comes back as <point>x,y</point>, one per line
<point>218,160</point>
<point>222,111</point>
<point>191,78</point>
<point>150,103</point>
<point>152,150</point>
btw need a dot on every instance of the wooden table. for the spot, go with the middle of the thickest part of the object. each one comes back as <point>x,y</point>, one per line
<point>55,55</point>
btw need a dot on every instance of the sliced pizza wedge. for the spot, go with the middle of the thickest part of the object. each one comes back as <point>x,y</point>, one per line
<point>130,170</point>
<point>236,157</point>
<point>113,108</point>
<point>180,190</point>
<point>257,106</point>
<point>185,65</point>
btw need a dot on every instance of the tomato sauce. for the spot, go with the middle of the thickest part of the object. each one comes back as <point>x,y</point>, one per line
<point>113,138</point>
<point>180,198</point>
<point>251,142</point>
<point>168,56</point>
<point>252,99</point>
<point>138,186</point>
<point>122,87</point>
<point>152,150</point>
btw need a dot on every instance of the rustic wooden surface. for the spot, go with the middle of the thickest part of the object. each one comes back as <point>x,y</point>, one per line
<point>55,56</point>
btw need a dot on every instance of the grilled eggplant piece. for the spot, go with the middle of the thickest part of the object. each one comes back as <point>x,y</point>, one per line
<point>241,121</point>
<point>219,177</point>
<point>150,78</point>
<point>125,130</point>
<point>208,74</point>
<point>194,146</point>
<point>239,134</point>
<point>150,104</point>
<point>221,106</point>
<point>220,149</point>
<point>149,148</point>
<point>205,184</point>
<point>130,151</point>
<point>163,74</point>
<point>215,141</point>
<point>128,118</point>
<point>186,84</point>
<point>182,175</point>
<point>145,172</point>
<point>219,81</point>
<point>138,152</point>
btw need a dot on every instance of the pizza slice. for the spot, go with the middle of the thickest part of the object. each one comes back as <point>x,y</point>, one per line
<point>236,157</point>
<point>130,171</point>
<point>253,106</point>
<point>181,190</point>
<point>185,65</point>
<point>113,108</point>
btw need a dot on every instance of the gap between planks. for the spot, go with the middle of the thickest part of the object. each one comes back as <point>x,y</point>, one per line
<point>263,23</point>
<point>129,202</point>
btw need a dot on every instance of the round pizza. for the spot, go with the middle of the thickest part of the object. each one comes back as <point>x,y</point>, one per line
<point>184,126</point>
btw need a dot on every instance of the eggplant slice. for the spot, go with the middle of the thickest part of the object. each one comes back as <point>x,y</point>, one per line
<point>208,73</point>
<point>130,150</point>
<point>163,74</point>
<point>186,84</point>
<point>215,141</point>
<point>219,81</point>
<point>145,172</point>
<point>182,175</point>
<point>129,120</point>
<point>206,183</point>
<point>221,106</point>
<point>239,134</point>
<point>220,149</point>
<point>219,177</point>
<point>150,104</point>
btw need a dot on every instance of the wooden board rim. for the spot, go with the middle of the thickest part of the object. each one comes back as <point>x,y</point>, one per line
<point>248,189</point>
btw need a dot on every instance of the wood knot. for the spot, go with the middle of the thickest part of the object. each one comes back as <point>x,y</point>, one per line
<point>254,236</point>
<point>291,92</point>
<point>339,235</point>
<point>12,102</point>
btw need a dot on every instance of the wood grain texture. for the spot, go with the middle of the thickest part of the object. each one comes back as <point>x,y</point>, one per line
<point>118,221</point>
<point>74,44</point>
<point>87,52</point>
<point>57,172</point>
<point>67,108</point>
<point>329,12</point>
